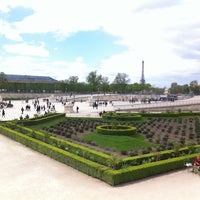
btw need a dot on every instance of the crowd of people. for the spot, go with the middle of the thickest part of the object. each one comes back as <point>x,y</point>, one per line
<point>46,106</point>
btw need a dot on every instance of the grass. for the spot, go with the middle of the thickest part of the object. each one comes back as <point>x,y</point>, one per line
<point>120,143</point>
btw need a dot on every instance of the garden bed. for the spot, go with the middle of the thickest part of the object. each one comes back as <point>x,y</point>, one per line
<point>119,165</point>
<point>159,133</point>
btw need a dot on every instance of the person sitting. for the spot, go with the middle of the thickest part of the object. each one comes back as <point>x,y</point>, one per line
<point>196,165</point>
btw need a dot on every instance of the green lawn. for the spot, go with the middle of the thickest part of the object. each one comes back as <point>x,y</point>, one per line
<point>120,143</point>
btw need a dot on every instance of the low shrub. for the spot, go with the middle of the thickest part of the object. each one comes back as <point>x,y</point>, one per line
<point>122,116</point>
<point>116,130</point>
<point>42,119</point>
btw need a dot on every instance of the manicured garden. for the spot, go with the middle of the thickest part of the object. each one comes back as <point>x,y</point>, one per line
<point>117,143</point>
<point>114,150</point>
<point>151,134</point>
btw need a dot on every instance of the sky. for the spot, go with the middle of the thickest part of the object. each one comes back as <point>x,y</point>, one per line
<point>66,38</point>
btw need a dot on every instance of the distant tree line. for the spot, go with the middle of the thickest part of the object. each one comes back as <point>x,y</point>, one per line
<point>94,84</point>
<point>193,88</point>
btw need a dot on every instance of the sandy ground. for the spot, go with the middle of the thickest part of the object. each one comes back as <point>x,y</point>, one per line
<point>28,175</point>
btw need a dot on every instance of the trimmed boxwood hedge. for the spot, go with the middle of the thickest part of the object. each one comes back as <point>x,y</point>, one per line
<point>35,121</point>
<point>171,114</point>
<point>162,155</point>
<point>127,116</point>
<point>106,174</point>
<point>82,164</point>
<point>94,155</point>
<point>149,169</point>
<point>122,116</point>
<point>116,130</point>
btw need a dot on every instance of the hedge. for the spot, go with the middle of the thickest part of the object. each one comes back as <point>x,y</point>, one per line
<point>84,165</point>
<point>35,121</point>
<point>122,116</point>
<point>110,176</point>
<point>146,170</point>
<point>95,155</point>
<point>91,154</point>
<point>98,156</point>
<point>171,114</point>
<point>116,130</point>
<point>162,155</point>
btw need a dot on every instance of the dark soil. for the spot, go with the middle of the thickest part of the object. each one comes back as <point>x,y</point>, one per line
<point>162,131</point>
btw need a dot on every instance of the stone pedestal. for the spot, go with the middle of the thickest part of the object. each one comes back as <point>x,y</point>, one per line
<point>69,108</point>
<point>90,100</point>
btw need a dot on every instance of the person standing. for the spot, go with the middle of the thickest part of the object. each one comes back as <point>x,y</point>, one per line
<point>22,109</point>
<point>3,113</point>
<point>196,164</point>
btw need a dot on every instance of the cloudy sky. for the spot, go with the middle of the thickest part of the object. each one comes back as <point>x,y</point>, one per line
<point>63,38</point>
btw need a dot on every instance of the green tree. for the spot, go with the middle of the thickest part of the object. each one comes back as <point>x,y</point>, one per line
<point>194,87</point>
<point>174,88</point>
<point>72,84</point>
<point>120,82</point>
<point>3,80</point>
<point>94,80</point>
<point>73,79</point>
<point>185,89</point>
<point>104,86</point>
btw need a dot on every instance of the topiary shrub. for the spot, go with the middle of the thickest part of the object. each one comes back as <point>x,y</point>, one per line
<point>116,130</point>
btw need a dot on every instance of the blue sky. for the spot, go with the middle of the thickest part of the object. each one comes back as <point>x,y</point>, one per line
<point>66,38</point>
<point>93,46</point>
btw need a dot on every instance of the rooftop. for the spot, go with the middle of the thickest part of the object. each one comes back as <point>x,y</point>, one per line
<point>29,78</point>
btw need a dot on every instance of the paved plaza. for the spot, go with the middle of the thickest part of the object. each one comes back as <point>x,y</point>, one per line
<point>85,110</point>
<point>29,175</point>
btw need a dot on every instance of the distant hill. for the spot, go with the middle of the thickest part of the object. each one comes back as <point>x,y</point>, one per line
<point>29,78</point>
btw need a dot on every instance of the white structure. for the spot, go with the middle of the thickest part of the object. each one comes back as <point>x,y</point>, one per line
<point>166,91</point>
<point>69,108</point>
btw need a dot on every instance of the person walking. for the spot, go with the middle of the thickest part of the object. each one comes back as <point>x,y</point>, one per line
<point>22,109</point>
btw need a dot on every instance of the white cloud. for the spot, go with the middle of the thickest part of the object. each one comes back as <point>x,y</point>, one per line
<point>158,32</point>
<point>25,49</point>
<point>121,63</point>
<point>9,31</point>
<point>157,4</point>
<point>63,70</point>
<point>79,59</point>
<point>59,70</point>
<point>17,64</point>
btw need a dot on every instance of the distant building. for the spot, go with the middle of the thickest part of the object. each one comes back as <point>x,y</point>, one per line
<point>142,80</point>
<point>29,78</point>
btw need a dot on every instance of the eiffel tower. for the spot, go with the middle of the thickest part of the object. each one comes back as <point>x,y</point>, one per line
<point>142,80</point>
